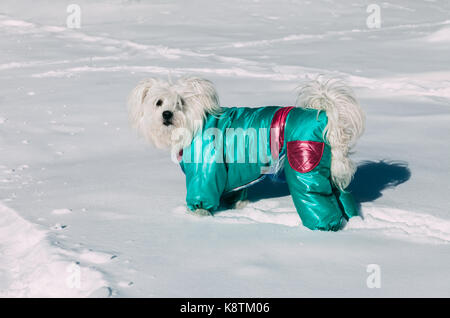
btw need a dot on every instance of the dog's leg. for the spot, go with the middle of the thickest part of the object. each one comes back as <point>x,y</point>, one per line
<point>201,212</point>
<point>241,204</point>
<point>236,199</point>
<point>308,171</point>
<point>312,193</point>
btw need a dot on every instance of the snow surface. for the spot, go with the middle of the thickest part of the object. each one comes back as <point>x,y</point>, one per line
<point>80,192</point>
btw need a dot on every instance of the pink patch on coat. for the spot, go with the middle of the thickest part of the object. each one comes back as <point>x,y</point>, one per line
<point>304,156</point>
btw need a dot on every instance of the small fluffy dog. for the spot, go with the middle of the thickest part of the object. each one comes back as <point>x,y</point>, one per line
<point>223,150</point>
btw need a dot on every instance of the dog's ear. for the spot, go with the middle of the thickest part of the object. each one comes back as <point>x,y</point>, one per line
<point>200,92</point>
<point>136,100</point>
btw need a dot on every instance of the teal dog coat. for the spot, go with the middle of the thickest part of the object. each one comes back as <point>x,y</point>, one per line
<point>239,146</point>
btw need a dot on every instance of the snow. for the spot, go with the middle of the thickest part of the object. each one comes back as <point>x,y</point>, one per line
<point>442,35</point>
<point>82,194</point>
<point>31,266</point>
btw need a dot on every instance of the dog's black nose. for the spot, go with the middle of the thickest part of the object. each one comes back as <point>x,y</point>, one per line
<point>167,115</point>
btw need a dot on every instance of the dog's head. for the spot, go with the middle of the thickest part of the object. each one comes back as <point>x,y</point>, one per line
<point>169,114</point>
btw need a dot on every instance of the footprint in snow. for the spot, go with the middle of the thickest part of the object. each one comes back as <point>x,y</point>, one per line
<point>103,292</point>
<point>96,257</point>
<point>401,224</point>
<point>61,211</point>
<point>58,227</point>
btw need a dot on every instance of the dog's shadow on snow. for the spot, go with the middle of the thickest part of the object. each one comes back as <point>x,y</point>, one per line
<point>371,178</point>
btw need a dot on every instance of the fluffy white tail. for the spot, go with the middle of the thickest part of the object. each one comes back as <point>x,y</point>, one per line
<point>346,122</point>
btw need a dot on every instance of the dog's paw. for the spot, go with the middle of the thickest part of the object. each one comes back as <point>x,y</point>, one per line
<point>241,204</point>
<point>202,212</point>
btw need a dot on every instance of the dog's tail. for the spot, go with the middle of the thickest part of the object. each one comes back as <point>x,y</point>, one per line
<point>346,122</point>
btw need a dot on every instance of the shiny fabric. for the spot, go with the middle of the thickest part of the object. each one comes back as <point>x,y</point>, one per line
<point>321,206</point>
<point>241,158</point>
<point>303,156</point>
<point>216,164</point>
<point>277,130</point>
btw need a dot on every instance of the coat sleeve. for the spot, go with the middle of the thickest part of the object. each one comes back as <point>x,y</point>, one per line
<point>206,178</point>
<point>205,186</point>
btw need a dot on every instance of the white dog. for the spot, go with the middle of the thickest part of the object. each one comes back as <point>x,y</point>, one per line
<point>316,143</point>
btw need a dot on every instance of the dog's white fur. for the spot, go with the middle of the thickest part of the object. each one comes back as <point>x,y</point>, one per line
<point>191,98</point>
<point>346,122</point>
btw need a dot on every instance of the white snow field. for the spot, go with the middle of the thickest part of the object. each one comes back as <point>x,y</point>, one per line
<point>89,209</point>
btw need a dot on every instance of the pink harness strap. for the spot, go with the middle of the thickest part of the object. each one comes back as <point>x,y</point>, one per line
<point>277,130</point>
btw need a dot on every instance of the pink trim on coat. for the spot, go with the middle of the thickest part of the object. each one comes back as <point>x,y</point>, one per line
<point>277,130</point>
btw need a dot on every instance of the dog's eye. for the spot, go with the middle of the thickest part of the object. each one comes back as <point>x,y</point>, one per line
<point>182,103</point>
<point>159,102</point>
